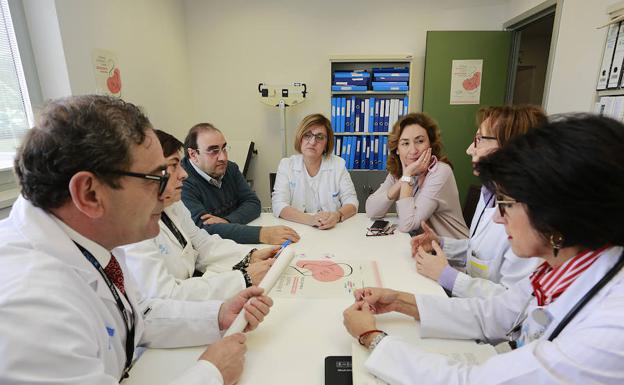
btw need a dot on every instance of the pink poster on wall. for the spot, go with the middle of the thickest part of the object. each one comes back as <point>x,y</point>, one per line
<point>107,73</point>
<point>466,78</point>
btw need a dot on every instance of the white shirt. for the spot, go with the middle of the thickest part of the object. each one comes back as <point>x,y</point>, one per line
<point>589,350</point>
<point>491,266</point>
<point>335,188</point>
<point>163,269</point>
<point>59,323</point>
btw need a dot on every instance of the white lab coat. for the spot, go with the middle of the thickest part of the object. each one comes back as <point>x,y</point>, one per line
<point>162,269</point>
<point>589,350</point>
<point>335,185</point>
<point>59,323</point>
<point>491,266</point>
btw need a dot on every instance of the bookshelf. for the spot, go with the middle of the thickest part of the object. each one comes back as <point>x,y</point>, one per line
<point>364,107</point>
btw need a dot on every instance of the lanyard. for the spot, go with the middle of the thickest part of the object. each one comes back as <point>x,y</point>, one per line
<point>122,309</point>
<point>480,215</point>
<point>172,227</point>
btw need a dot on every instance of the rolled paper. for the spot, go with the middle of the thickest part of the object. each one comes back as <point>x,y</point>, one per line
<point>267,283</point>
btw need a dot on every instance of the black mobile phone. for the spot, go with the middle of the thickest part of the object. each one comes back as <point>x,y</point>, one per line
<point>338,370</point>
<point>379,225</point>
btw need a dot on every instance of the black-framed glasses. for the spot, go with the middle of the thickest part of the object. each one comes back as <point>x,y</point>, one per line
<point>216,151</point>
<point>162,179</point>
<point>478,138</point>
<point>319,137</point>
<point>504,204</point>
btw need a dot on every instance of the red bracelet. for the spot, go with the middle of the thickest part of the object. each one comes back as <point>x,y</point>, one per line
<point>367,333</point>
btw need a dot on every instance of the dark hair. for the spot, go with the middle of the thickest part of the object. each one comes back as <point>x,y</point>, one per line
<point>505,122</point>
<point>78,133</point>
<point>170,144</point>
<point>569,174</point>
<point>433,132</point>
<point>191,138</point>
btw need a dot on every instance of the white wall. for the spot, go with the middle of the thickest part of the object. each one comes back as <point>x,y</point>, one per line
<point>578,55</point>
<point>578,52</point>
<point>237,44</point>
<point>199,60</point>
<point>148,36</point>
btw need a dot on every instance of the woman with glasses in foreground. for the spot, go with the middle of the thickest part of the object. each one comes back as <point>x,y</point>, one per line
<point>487,263</point>
<point>314,186</point>
<point>420,180</point>
<point>560,197</point>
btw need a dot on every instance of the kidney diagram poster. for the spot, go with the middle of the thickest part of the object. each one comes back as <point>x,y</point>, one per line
<point>466,78</point>
<point>107,73</point>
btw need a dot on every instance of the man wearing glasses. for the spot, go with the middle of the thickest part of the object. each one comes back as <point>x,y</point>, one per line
<point>92,174</point>
<point>217,195</point>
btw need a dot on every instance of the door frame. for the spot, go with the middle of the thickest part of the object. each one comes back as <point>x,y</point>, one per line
<point>548,7</point>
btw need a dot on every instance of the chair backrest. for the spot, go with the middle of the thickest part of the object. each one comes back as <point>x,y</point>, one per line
<point>470,203</point>
<point>272,181</point>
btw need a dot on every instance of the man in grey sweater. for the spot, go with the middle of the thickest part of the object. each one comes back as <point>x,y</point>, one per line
<point>217,195</point>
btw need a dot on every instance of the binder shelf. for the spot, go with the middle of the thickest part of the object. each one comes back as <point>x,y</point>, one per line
<point>369,94</point>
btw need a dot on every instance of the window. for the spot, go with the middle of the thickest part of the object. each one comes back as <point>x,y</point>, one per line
<point>15,110</point>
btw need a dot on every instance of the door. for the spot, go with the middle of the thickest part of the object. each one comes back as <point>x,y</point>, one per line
<point>457,121</point>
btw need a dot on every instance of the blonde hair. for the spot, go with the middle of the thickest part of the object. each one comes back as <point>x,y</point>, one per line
<point>311,121</point>
<point>507,122</point>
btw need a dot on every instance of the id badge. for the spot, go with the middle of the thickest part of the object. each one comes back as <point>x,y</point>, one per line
<point>477,268</point>
<point>534,326</point>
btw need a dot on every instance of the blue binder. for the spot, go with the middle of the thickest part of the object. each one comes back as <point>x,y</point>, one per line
<point>383,87</point>
<point>349,88</point>
<point>351,74</point>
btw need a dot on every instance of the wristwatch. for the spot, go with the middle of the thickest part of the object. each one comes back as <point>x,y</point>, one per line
<point>411,180</point>
<point>376,340</point>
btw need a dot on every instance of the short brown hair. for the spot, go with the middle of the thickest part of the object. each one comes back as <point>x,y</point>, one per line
<point>191,138</point>
<point>507,122</point>
<point>433,132</point>
<point>315,120</point>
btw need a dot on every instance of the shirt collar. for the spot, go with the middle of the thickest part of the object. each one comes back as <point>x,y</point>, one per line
<point>213,181</point>
<point>487,196</point>
<point>100,253</point>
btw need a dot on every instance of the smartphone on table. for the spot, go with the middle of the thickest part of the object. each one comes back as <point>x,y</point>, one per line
<point>379,225</point>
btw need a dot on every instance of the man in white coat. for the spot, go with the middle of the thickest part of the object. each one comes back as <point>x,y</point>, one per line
<point>92,175</point>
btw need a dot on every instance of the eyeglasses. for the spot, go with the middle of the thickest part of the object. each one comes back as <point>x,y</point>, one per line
<point>319,137</point>
<point>504,204</point>
<point>478,138</point>
<point>162,179</point>
<point>214,152</point>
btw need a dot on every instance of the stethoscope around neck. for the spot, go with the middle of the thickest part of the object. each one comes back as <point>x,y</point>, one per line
<point>522,316</point>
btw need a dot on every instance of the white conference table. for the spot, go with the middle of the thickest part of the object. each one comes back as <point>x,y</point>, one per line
<point>290,346</point>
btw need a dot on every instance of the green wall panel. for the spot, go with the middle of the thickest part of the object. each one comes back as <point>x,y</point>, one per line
<point>457,122</point>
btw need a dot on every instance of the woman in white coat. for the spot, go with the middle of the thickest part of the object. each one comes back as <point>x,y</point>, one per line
<point>164,266</point>
<point>485,264</point>
<point>314,186</point>
<point>559,191</point>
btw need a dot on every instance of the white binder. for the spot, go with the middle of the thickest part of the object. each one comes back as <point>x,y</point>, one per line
<point>618,60</point>
<point>607,57</point>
